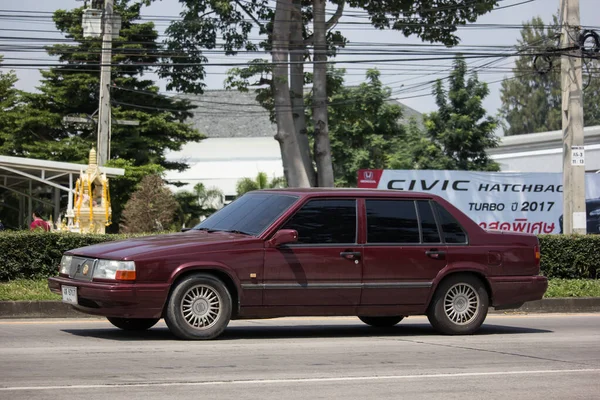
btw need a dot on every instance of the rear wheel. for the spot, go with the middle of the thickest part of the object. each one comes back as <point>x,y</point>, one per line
<point>199,308</point>
<point>381,322</point>
<point>133,324</point>
<point>459,306</point>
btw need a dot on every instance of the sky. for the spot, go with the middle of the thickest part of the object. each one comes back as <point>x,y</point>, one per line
<point>409,81</point>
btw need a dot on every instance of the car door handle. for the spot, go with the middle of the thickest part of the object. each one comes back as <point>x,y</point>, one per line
<point>351,255</point>
<point>435,254</point>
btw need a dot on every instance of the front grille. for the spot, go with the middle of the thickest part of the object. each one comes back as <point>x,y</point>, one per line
<point>82,269</point>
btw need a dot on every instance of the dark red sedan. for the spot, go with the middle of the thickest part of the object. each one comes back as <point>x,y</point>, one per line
<point>379,255</point>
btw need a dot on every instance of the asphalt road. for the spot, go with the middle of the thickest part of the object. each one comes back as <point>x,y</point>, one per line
<point>513,357</point>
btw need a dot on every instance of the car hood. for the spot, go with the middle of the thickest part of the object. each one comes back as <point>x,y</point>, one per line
<point>175,243</point>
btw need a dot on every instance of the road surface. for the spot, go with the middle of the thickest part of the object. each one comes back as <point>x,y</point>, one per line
<point>512,357</point>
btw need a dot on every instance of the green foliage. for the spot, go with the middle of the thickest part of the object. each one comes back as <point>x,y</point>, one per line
<point>573,288</point>
<point>430,20</point>
<point>460,128</point>
<point>73,89</point>
<point>9,101</point>
<point>261,181</point>
<point>531,102</point>
<point>31,255</point>
<point>570,257</point>
<point>364,127</point>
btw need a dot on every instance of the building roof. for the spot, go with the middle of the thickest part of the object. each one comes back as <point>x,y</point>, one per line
<point>231,113</point>
<point>541,141</point>
<point>29,165</point>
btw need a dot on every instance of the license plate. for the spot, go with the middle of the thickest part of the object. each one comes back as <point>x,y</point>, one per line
<point>69,294</point>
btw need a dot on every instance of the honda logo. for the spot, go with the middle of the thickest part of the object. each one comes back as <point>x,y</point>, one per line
<point>369,175</point>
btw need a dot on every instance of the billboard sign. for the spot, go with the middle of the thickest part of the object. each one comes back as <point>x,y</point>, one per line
<point>521,202</point>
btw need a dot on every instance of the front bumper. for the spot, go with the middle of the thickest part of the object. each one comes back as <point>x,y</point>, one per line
<point>516,290</point>
<point>127,300</point>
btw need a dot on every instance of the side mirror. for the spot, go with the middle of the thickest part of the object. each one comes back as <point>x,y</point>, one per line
<point>284,236</point>
<point>185,229</point>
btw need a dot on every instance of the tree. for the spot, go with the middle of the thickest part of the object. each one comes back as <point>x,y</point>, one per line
<point>532,101</point>
<point>9,101</point>
<point>151,207</point>
<point>365,126</point>
<point>460,128</point>
<point>261,181</point>
<point>72,89</point>
<point>430,20</point>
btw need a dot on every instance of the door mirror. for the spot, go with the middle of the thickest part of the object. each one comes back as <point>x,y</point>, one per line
<point>284,236</point>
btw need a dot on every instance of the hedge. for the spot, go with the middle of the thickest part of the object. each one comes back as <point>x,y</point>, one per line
<point>34,255</point>
<point>570,256</point>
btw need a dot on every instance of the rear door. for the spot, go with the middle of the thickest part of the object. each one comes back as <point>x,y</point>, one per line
<point>403,253</point>
<point>324,268</point>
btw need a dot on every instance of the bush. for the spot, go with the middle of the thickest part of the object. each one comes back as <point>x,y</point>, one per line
<point>35,255</point>
<point>570,256</point>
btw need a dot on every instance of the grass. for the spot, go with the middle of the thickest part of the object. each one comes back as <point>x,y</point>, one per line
<point>573,288</point>
<point>24,289</point>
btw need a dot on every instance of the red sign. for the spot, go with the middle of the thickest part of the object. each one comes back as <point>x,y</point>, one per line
<point>369,178</point>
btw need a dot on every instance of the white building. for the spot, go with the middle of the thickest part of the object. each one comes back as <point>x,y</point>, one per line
<point>542,152</point>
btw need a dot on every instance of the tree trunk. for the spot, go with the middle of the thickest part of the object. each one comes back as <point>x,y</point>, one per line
<point>286,133</point>
<point>322,146</point>
<point>297,88</point>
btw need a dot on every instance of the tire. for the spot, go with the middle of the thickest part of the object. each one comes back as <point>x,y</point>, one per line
<point>381,322</point>
<point>199,308</point>
<point>133,324</point>
<point>459,306</point>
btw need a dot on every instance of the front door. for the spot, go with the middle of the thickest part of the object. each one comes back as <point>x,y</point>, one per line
<point>404,252</point>
<point>324,268</point>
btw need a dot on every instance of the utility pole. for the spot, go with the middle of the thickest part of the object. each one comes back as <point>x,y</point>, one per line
<point>574,214</point>
<point>104,123</point>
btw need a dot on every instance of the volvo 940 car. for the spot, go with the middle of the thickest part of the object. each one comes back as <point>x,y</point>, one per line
<point>375,254</point>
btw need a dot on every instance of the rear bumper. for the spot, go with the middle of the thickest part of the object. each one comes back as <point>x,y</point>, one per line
<point>516,290</point>
<point>128,300</point>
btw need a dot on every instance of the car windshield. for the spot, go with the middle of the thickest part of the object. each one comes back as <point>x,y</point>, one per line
<point>250,214</point>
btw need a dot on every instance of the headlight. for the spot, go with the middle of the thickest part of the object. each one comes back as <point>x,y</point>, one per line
<point>65,265</point>
<point>119,270</point>
<point>595,213</point>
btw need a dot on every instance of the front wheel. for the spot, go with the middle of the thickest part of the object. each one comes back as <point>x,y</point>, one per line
<point>133,324</point>
<point>199,308</point>
<point>381,322</point>
<point>459,306</point>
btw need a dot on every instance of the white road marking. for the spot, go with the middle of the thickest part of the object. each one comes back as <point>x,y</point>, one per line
<point>301,380</point>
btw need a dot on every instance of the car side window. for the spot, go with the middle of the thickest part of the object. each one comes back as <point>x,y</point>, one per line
<point>451,229</point>
<point>429,226</point>
<point>392,221</point>
<point>325,221</point>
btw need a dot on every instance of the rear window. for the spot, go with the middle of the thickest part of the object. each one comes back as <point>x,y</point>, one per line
<point>392,221</point>
<point>451,229</point>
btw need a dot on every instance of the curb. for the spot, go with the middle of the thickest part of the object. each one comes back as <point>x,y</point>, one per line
<point>57,309</point>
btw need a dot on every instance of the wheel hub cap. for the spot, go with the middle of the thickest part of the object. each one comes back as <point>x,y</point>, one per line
<point>201,307</point>
<point>461,303</point>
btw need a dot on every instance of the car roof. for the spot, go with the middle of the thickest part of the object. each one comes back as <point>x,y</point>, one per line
<point>352,192</point>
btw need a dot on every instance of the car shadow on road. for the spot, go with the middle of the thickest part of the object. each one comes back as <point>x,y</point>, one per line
<point>284,331</point>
